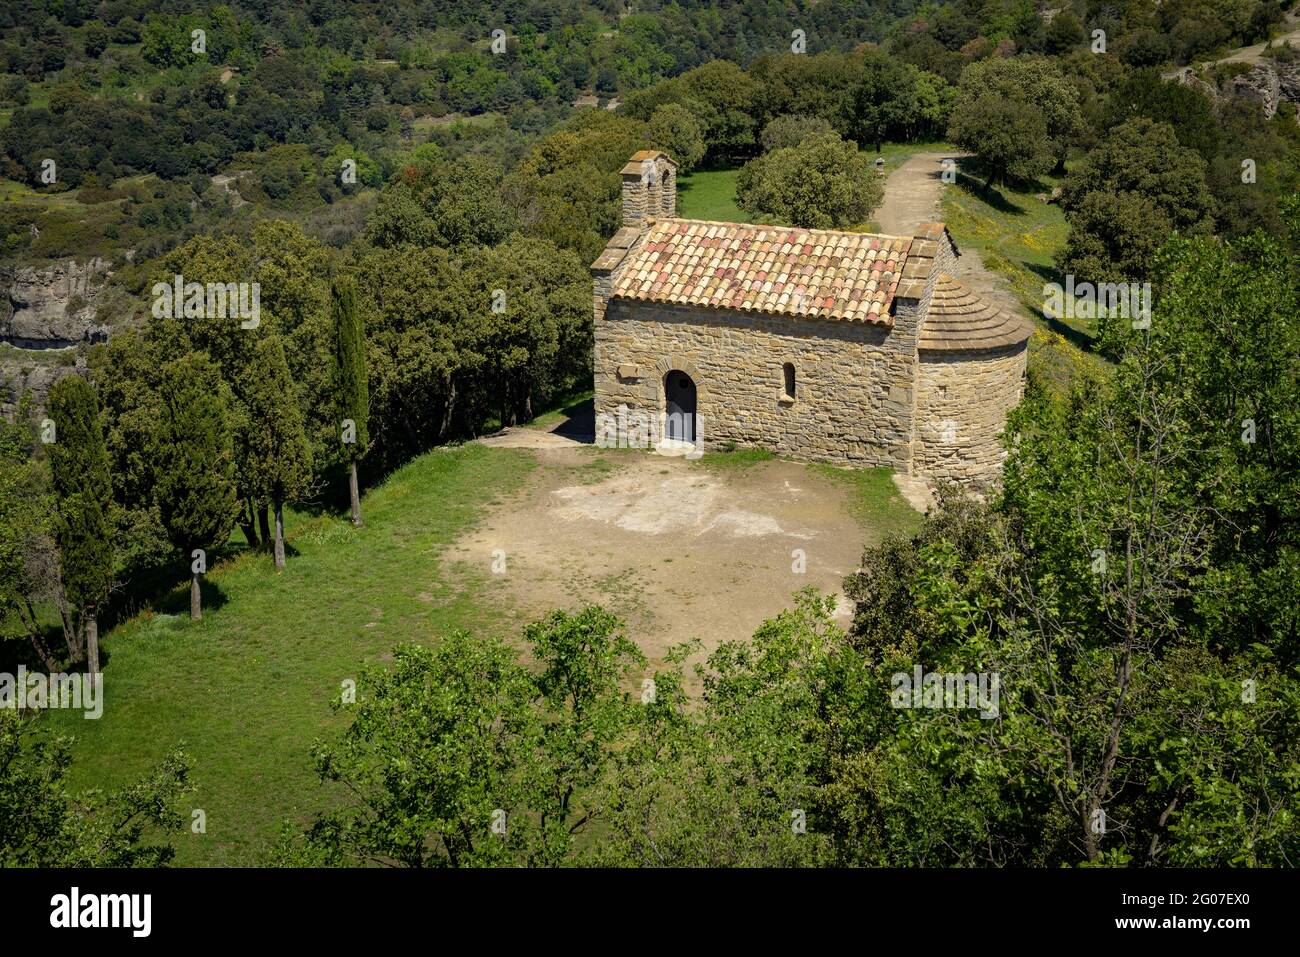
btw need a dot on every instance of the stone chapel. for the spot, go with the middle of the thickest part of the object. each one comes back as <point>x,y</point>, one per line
<point>823,345</point>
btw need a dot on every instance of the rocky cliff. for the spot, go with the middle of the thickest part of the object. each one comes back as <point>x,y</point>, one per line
<point>51,306</point>
<point>1266,82</point>
<point>20,374</point>
<point>44,312</point>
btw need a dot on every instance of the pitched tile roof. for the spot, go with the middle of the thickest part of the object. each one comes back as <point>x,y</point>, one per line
<point>920,259</point>
<point>959,320</point>
<point>774,269</point>
<point>633,166</point>
<point>616,249</point>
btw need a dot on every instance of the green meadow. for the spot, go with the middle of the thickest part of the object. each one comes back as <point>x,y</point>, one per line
<point>248,689</point>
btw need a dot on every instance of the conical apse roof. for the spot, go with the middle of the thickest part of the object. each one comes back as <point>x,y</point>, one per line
<point>959,320</point>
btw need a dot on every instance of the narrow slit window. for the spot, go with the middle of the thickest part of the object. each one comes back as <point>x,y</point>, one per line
<point>788,370</point>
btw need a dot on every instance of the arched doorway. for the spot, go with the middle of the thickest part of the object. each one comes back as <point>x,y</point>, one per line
<point>679,404</point>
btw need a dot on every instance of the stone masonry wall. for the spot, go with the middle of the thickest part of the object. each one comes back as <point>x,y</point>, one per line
<point>854,381</point>
<point>945,261</point>
<point>649,191</point>
<point>962,402</point>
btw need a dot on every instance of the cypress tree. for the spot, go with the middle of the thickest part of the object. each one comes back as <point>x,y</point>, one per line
<point>193,461</point>
<point>83,495</point>
<point>279,457</point>
<point>353,387</point>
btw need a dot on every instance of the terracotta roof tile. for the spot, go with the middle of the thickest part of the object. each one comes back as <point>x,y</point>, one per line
<point>774,269</point>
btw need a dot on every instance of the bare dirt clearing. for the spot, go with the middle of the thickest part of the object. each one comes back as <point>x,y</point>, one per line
<point>680,549</point>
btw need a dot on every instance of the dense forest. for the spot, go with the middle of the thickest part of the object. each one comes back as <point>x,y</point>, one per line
<point>418,197</point>
<point>283,94</point>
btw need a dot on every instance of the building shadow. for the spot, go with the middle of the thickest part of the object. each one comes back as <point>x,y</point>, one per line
<point>1078,337</point>
<point>993,196</point>
<point>579,424</point>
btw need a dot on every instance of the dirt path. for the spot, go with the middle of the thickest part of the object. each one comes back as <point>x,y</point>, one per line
<point>1253,54</point>
<point>912,196</point>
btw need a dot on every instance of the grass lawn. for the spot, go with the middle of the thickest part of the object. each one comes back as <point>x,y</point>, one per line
<point>248,688</point>
<point>734,458</point>
<point>1018,235</point>
<point>710,194</point>
<point>875,500</point>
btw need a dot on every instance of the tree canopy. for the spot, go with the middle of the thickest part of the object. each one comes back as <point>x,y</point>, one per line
<point>823,183</point>
<point>1125,199</point>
